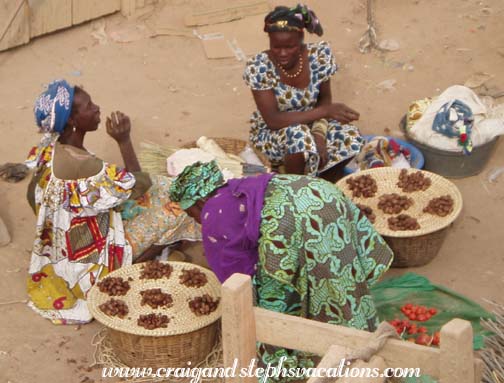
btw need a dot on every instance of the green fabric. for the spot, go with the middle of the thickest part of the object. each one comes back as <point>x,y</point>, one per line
<point>318,257</point>
<point>391,294</point>
<point>196,182</point>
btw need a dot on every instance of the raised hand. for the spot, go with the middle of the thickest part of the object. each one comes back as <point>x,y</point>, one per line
<point>119,127</point>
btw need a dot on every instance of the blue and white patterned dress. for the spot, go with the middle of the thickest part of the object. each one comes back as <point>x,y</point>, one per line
<point>343,141</point>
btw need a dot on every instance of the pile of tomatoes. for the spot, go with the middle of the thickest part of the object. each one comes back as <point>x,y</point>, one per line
<point>418,313</point>
<point>411,331</point>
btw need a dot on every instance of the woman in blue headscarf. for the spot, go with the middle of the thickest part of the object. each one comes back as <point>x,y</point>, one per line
<point>80,233</point>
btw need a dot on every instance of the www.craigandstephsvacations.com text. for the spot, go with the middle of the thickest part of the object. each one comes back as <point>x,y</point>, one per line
<point>196,374</point>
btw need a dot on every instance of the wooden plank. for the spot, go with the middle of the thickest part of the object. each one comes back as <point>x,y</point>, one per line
<point>224,15</point>
<point>375,364</point>
<point>4,234</point>
<point>479,370</point>
<point>307,335</point>
<point>238,327</point>
<point>84,10</point>
<point>14,23</point>
<point>332,358</point>
<point>48,16</point>
<point>457,355</point>
<point>128,7</point>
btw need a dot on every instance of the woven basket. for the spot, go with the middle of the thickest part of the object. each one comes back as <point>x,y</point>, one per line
<point>233,146</point>
<point>166,351</point>
<point>411,247</point>
<point>187,337</point>
<point>416,251</point>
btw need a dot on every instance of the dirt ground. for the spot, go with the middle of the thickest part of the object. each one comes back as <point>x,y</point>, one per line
<point>174,94</point>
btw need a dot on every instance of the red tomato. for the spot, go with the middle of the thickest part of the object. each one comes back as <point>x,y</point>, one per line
<point>421,310</point>
<point>408,305</point>
<point>421,318</point>
<point>422,330</point>
<point>423,339</point>
<point>427,316</point>
<point>432,311</point>
<point>412,317</point>
<point>412,330</point>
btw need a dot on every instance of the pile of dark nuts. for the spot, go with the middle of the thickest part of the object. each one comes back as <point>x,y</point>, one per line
<point>155,270</point>
<point>441,206</point>
<point>114,308</point>
<point>368,212</point>
<point>394,203</point>
<point>114,286</point>
<point>413,182</point>
<point>156,298</point>
<point>403,222</point>
<point>362,186</point>
<point>153,321</point>
<point>203,305</point>
<point>193,278</point>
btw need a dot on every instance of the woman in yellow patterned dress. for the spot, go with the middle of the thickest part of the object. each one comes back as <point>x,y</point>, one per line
<point>92,216</point>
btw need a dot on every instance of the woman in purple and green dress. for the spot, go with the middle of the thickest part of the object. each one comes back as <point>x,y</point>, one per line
<point>296,122</point>
<point>309,250</point>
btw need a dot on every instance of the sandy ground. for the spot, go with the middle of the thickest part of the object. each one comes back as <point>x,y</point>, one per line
<point>174,94</point>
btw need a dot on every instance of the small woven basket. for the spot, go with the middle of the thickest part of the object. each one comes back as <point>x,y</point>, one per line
<point>164,351</point>
<point>411,247</point>
<point>187,337</point>
<point>232,146</point>
<point>416,251</point>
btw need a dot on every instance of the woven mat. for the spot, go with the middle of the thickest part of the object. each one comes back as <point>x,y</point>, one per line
<point>386,179</point>
<point>182,319</point>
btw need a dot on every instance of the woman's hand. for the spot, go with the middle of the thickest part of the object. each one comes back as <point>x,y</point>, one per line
<point>119,127</point>
<point>341,113</point>
<point>320,141</point>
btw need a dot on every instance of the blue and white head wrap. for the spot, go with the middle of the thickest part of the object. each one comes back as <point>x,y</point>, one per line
<point>455,120</point>
<point>52,110</point>
<point>53,107</point>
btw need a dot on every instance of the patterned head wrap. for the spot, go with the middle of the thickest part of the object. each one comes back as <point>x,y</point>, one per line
<point>53,107</point>
<point>455,120</point>
<point>285,19</point>
<point>196,182</point>
<point>52,110</point>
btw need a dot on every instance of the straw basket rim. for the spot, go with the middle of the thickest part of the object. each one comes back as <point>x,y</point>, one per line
<point>229,145</point>
<point>182,319</point>
<point>386,179</point>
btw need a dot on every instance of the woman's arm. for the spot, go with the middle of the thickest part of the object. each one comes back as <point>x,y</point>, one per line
<point>275,119</point>
<point>325,95</point>
<point>119,128</point>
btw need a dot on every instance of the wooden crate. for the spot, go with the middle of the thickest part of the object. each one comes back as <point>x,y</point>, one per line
<point>243,325</point>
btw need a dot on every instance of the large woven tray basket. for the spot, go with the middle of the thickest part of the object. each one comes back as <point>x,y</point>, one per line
<point>187,337</point>
<point>411,247</point>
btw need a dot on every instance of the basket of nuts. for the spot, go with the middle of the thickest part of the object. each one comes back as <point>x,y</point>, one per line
<point>159,314</point>
<point>412,209</point>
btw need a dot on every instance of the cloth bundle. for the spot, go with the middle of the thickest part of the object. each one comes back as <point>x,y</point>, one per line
<point>457,121</point>
<point>382,151</point>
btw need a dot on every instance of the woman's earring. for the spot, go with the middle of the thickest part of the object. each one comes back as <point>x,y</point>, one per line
<point>74,129</point>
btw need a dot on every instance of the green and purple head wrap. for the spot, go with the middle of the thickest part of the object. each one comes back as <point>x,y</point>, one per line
<point>196,182</point>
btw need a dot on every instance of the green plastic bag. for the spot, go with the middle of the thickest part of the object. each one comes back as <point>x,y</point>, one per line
<point>391,294</point>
